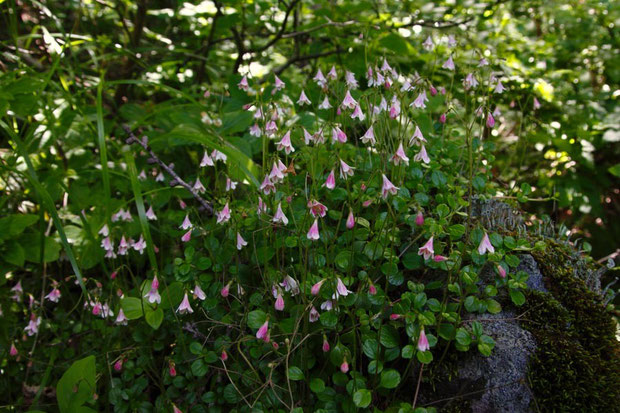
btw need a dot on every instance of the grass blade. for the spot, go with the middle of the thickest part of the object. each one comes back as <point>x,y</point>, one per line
<point>137,193</point>
<point>47,202</point>
<point>103,153</point>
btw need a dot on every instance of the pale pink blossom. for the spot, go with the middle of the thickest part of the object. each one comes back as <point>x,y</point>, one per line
<point>271,127</point>
<point>344,367</point>
<point>276,175</point>
<point>470,81</point>
<point>332,73</point>
<point>357,113</point>
<point>255,130</point>
<point>423,341</point>
<point>317,209</point>
<point>314,315</point>
<point>54,295</point>
<point>279,216</point>
<point>198,186</point>
<point>33,325</point>
<point>317,287</point>
<point>184,307</point>
<point>338,135</point>
<point>140,245</point>
<point>325,104</point>
<point>350,220</point>
<point>320,79</point>
<point>448,64</point>
<point>153,295</point>
<point>240,241</point>
<point>243,84</point>
<point>13,351</point>
<point>291,285</point>
<point>186,224</point>
<point>388,188</point>
<point>439,258</point>
<point>369,137</point>
<point>345,170</point>
<point>279,304</point>
<point>427,250</point>
<point>536,104</point>
<point>121,319</point>
<point>267,186</point>
<point>428,43</point>
<point>285,143</point>
<point>150,214</point>
<point>278,84</point>
<point>485,245</point>
<point>341,289</point>
<point>422,156</point>
<point>419,101</point>
<point>400,156</point>
<point>417,136</point>
<point>313,232</point>
<point>327,305</point>
<point>223,216</point>
<point>348,101</point>
<point>303,99</point>
<point>307,136</point>
<point>350,80</point>
<point>263,332</point>
<point>123,246</point>
<point>330,182</point>
<point>104,231</point>
<point>199,293</point>
<point>499,88</point>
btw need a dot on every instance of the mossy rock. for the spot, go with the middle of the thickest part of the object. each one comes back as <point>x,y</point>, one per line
<point>576,367</point>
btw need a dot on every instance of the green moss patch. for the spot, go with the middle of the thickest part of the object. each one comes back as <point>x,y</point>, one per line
<point>577,363</point>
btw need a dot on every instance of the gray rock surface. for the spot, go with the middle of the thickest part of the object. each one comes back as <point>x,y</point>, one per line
<point>529,265</point>
<point>505,370</point>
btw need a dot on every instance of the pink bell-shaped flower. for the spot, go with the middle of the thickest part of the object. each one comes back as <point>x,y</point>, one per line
<point>388,188</point>
<point>313,232</point>
<point>427,250</point>
<point>485,245</point>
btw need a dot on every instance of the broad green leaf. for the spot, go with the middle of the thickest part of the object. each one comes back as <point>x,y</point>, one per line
<point>362,398</point>
<point>76,386</point>
<point>389,379</point>
<point>295,373</point>
<point>132,307</point>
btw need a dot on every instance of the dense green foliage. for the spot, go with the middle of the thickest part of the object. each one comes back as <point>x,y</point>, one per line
<point>93,225</point>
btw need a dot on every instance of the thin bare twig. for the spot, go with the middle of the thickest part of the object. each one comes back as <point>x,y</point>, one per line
<point>177,180</point>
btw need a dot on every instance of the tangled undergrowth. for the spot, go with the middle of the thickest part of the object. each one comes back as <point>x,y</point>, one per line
<point>316,256</point>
